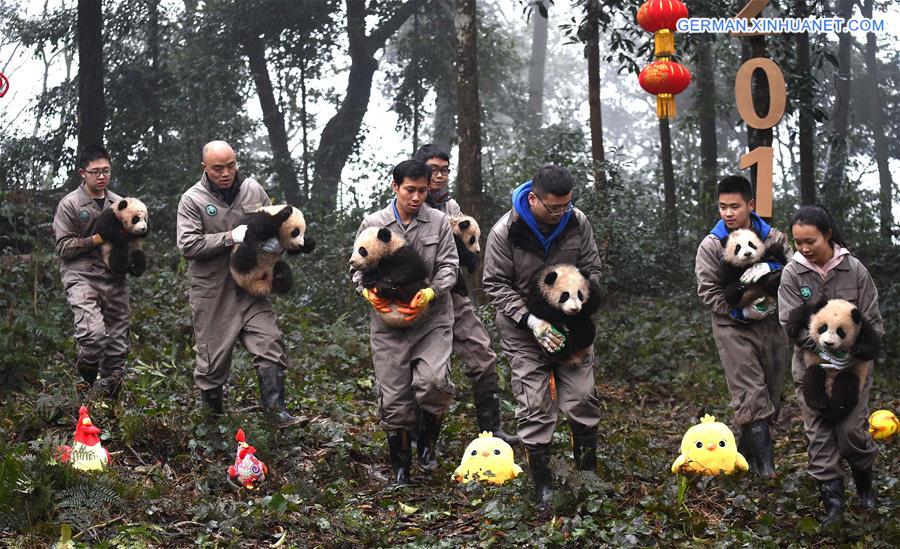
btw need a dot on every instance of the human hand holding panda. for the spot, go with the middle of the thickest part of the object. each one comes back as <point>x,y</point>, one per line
<point>836,370</point>
<point>256,263</point>
<point>750,270</point>
<point>566,298</point>
<point>121,226</point>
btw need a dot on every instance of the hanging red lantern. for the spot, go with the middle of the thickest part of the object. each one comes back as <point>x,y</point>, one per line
<point>4,84</point>
<point>660,17</point>
<point>665,79</point>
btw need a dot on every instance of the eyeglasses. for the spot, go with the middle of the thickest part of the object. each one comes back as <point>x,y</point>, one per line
<point>445,171</point>
<point>99,171</point>
<point>557,211</point>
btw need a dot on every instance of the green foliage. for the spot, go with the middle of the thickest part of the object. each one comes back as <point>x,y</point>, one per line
<point>85,504</point>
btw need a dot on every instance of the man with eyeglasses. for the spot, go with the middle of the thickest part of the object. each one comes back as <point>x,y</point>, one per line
<point>98,298</point>
<point>543,228</point>
<point>471,341</point>
<point>210,223</point>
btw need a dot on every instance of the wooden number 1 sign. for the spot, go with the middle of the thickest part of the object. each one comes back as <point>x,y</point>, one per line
<point>763,157</point>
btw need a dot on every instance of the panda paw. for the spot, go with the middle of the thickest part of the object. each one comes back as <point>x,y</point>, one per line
<point>244,257</point>
<point>844,393</point>
<point>138,263</point>
<point>282,278</point>
<point>814,388</point>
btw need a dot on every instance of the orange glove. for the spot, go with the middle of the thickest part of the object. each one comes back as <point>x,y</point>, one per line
<point>417,304</point>
<point>379,304</point>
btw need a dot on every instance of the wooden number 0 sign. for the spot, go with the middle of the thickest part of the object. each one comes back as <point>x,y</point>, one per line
<point>763,157</point>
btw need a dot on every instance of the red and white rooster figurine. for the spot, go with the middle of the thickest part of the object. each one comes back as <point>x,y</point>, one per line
<point>86,453</point>
<point>247,469</point>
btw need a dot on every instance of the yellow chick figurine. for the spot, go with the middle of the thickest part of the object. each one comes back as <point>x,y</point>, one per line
<point>488,459</point>
<point>883,424</point>
<point>709,449</point>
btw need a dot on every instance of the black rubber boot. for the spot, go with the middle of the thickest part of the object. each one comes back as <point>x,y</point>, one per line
<point>487,412</point>
<point>743,447</point>
<point>426,445</point>
<point>584,447</point>
<point>271,393</point>
<point>107,387</point>
<point>863,480</point>
<point>759,440</point>
<point>401,455</point>
<point>833,500</point>
<point>88,372</point>
<point>212,398</point>
<point>538,456</point>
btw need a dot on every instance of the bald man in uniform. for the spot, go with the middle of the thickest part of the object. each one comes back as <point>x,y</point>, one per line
<point>210,222</point>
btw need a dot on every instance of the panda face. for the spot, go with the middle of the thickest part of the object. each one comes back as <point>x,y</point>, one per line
<point>292,232</point>
<point>743,248</point>
<point>835,325</point>
<point>564,287</point>
<point>372,244</point>
<point>468,232</point>
<point>133,215</point>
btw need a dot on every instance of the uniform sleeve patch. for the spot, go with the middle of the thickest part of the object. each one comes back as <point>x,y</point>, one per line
<point>211,210</point>
<point>805,292</point>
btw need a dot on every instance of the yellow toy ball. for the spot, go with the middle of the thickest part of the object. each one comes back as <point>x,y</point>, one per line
<point>883,424</point>
<point>709,449</point>
<point>487,459</point>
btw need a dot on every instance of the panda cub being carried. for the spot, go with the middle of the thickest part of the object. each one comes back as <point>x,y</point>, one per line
<point>260,272</point>
<point>743,249</point>
<point>467,235</point>
<point>567,298</point>
<point>121,226</point>
<point>392,268</point>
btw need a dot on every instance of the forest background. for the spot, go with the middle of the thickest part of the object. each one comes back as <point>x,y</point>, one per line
<point>320,98</point>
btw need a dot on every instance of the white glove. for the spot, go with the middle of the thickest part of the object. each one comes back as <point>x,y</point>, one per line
<point>237,233</point>
<point>754,273</point>
<point>546,335</point>
<point>759,310</point>
<point>837,359</point>
<point>272,246</point>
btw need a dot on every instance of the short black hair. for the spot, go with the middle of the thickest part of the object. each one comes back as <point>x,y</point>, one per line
<point>818,215</point>
<point>90,153</point>
<point>412,169</point>
<point>428,151</point>
<point>736,184</point>
<point>552,179</point>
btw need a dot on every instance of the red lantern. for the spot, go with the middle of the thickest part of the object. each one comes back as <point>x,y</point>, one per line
<point>660,17</point>
<point>4,84</point>
<point>665,79</point>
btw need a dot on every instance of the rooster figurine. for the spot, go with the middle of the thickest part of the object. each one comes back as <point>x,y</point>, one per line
<point>86,452</point>
<point>247,469</point>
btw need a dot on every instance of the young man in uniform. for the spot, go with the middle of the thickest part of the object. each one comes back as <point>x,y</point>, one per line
<point>470,340</point>
<point>98,298</point>
<point>412,364</point>
<point>752,347</point>
<point>543,228</point>
<point>210,223</point>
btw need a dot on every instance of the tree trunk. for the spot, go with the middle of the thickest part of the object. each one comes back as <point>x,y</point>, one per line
<point>468,180</point>
<point>153,50</point>
<point>807,123</point>
<point>592,53</point>
<point>304,129</point>
<point>340,133</point>
<point>709,151</point>
<point>835,182</point>
<point>444,135</point>
<point>91,102</point>
<point>670,215</point>
<point>755,46</point>
<point>285,172</point>
<point>877,118</point>
<point>536,69</point>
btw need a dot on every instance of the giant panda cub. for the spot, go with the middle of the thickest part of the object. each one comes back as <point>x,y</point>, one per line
<point>392,268</point>
<point>839,327</point>
<point>261,273</point>
<point>743,249</point>
<point>467,235</point>
<point>121,226</point>
<point>567,298</point>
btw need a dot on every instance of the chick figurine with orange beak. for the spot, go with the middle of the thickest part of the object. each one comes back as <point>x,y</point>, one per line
<point>883,424</point>
<point>709,449</point>
<point>487,459</point>
<point>86,452</point>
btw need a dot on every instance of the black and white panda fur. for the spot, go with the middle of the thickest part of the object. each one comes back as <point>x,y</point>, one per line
<point>467,235</point>
<point>391,267</point>
<point>261,273</point>
<point>743,249</point>
<point>121,226</point>
<point>567,298</point>
<point>839,327</point>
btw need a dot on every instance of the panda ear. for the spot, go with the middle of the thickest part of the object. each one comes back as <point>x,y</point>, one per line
<point>464,224</point>
<point>818,306</point>
<point>384,234</point>
<point>585,273</point>
<point>123,204</point>
<point>550,278</point>
<point>856,316</point>
<point>724,241</point>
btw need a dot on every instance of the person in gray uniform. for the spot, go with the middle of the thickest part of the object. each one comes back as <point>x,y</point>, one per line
<point>210,223</point>
<point>471,341</point>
